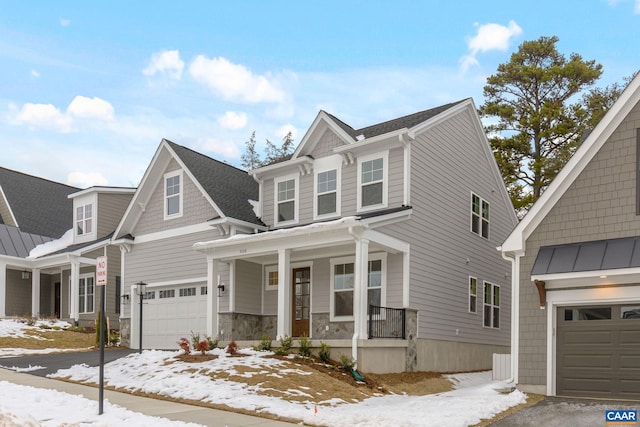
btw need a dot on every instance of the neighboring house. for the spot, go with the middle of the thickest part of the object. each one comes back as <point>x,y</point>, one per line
<point>50,237</point>
<point>381,243</point>
<point>184,197</point>
<point>576,269</point>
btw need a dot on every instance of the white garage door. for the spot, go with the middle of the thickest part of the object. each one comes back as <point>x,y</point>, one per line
<point>173,312</point>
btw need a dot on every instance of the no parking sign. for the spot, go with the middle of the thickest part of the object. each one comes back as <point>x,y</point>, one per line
<point>101,271</point>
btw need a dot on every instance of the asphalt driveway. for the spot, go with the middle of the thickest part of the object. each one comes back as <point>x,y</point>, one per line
<point>563,412</point>
<point>52,362</point>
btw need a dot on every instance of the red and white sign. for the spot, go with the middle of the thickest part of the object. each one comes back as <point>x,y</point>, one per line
<point>101,271</point>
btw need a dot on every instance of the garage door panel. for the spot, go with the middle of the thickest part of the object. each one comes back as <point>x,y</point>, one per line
<point>597,357</point>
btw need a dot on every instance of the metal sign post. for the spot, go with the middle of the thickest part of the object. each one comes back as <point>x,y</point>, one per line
<point>101,280</point>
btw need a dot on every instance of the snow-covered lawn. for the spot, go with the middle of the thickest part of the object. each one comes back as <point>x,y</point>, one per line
<point>23,328</point>
<point>475,396</point>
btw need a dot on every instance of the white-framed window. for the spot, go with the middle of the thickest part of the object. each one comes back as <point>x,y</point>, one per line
<point>86,293</point>
<point>271,278</point>
<point>84,219</point>
<point>149,295</point>
<point>173,192</point>
<point>167,293</point>
<point>286,192</point>
<point>204,290</point>
<point>473,293</point>
<point>479,216</point>
<point>491,305</point>
<point>372,181</point>
<point>342,281</point>
<point>187,292</point>
<point>327,194</point>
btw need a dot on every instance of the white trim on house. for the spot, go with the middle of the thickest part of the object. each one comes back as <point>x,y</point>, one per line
<point>384,155</point>
<point>87,199</point>
<point>576,164</point>
<point>14,222</point>
<point>320,123</point>
<point>324,165</point>
<point>295,177</point>
<point>575,297</point>
<point>180,194</point>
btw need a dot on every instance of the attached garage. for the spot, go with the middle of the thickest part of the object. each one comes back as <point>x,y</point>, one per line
<point>598,351</point>
<point>170,313</point>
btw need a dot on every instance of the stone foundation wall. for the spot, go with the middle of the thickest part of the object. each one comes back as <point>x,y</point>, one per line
<point>245,327</point>
<point>125,332</point>
<point>335,330</point>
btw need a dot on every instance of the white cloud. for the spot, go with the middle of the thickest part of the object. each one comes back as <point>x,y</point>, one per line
<point>65,22</point>
<point>232,120</point>
<point>166,62</point>
<point>489,37</point>
<point>636,8</point>
<point>218,149</point>
<point>234,81</point>
<point>83,180</point>
<point>44,115</point>
<point>35,74</point>
<point>284,130</point>
<point>90,108</point>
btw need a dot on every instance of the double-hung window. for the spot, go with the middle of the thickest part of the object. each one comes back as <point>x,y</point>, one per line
<point>84,220</point>
<point>491,305</point>
<point>173,191</point>
<point>86,291</point>
<point>342,279</point>
<point>327,193</point>
<point>286,190</point>
<point>372,181</point>
<point>479,216</point>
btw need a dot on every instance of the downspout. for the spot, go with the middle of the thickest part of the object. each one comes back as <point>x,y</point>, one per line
<point>354,338</point>
<point>515,313</point>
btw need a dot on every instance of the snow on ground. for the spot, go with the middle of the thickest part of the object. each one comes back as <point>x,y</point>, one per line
<point>17,328</point>
<point>475,396</point>
<point>30,407</point>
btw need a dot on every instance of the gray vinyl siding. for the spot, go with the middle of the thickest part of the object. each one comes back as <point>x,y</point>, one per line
<point>305,199</point>
<point>600,204</point>
<point>164,260</point>
<point>111,207</point>
<point>447,164</point>
<point>249,295</point>
<point>349,198</point>
<point>18,294</point>
<point>321,286</point>
<point>270,297</point>
<point>196,209</point>
<point>396,177</point>
<point>267,202</point>
<point>328,141</point>
<point>394,281</point>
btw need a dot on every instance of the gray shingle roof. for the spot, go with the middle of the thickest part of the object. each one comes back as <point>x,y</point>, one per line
<point>588,256</point>
<point>408,122</point>
<point>39,205</point>
<point>14,242</point>
<point>230,188</point>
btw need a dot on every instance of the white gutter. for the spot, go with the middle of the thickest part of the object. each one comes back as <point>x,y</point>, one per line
<point>515,313</point>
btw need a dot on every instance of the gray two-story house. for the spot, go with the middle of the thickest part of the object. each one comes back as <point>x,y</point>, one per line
<point>380,242</point>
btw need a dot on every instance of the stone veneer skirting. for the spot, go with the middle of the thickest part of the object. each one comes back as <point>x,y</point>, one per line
<point>242,326</point>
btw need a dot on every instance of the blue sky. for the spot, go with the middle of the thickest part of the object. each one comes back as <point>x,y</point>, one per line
<point>88,91</point>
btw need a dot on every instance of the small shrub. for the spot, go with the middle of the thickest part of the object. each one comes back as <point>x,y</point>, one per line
<point>347,363</point>
<point>304,348</point>
<point>265,344</point>
<point>203,346</point>
<point>114,338</point>
<point>195,339</point>
<point>325,352</point>
<point>184,344</point>
<point>213,343</point>
<point>232,348</point>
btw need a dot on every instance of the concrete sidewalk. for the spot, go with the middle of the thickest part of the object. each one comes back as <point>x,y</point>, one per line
<point>144,405</point>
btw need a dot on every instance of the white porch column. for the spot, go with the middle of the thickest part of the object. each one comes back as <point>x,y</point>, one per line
<point>134,333</point>
<point>212,297</point>
<point>231,286</point>
<point>35,292</point>
<point>74,297</point>
<point>360,270</point>
<point>284,293</point>
<point>406,278</point>
<point>3,290</point>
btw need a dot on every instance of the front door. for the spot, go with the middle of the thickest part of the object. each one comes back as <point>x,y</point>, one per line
<point>301,301</point>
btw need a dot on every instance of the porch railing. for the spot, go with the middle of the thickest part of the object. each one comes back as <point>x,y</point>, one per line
<point>386,322</point>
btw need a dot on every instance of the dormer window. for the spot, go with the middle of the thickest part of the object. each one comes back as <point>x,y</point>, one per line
<point>173,194</point>
<point>84,220</point>
<point>372,181</point>
<point>286,191</point>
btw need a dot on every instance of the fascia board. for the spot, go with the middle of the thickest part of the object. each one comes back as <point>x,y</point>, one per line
<point>445,115</point>
<point>6,203</point>
<point>279,168</point>
<point>321,118</point>
<point>369,144</point>
<point>587,151</point>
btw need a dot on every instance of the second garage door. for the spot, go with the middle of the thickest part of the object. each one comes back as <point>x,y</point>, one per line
<point>171,313</point>
<point>598,351</point>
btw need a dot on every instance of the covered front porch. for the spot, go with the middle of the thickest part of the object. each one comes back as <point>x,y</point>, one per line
<point>315,281</point>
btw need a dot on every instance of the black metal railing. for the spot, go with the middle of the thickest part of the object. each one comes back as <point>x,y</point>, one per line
<point>387,322</point>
